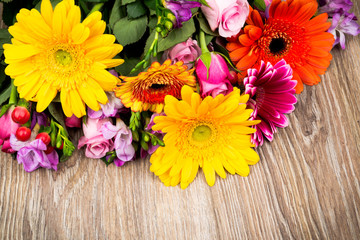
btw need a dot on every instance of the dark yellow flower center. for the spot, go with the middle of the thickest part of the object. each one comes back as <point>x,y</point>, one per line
<point>63,57</point>
<point>201,133</point>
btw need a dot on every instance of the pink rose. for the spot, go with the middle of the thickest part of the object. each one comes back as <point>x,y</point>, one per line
<point>8,127</point>
<point>214,79</point>
<point>97,145</point>
<point>228,16</point>
<point>73,122</point>
<point>187,52</point>
<point>267,2</point>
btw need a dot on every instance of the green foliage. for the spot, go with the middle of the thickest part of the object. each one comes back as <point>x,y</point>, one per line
<point>5,37</point>
<point>5,95</point>
<point>57,113</point>
<point>129,31</point>
<point>136,9</point>
<point>260,4</point>
<point>124,2</point>
<point>116,13</point>
<point>176,36</point>
<point>125,68</point>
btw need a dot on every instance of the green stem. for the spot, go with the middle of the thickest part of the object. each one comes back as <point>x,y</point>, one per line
<point>13,94</point>
<point>203,44</point>
<point>96,7</point>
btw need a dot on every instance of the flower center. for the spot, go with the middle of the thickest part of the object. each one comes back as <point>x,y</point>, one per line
<point>277,45</point>
<point>63,57</point>
<point>201,133</point>
<point>157,86</point>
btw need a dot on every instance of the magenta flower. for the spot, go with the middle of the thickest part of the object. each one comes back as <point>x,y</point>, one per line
<point>8,127</point>
<point>181,9</point>
<point>271,91</point>
<point>31,154</point>
<point>73,122</point>
<point>213,79</point>
<point>122,144</point>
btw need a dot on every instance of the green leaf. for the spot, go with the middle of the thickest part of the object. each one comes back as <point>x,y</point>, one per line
<point>129,31</point>
<point>56,111</point>
<point>4,96</point>
<point>136,9</point>
<point>2,74</point>
<point>203,2</point>
<point>5,37</point>
<point>204,25</point>
<point>5,108</point>
<point>116,13</point>
<point>150,4</point>
<point>53,3</point>
<point>177,36</point>
<point>124,2</point>
<point>260,4</point>
<point>125,68</point>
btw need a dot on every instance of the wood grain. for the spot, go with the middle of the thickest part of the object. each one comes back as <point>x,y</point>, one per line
<point>306,185</point>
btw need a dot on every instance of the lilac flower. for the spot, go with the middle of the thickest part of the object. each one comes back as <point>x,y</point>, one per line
<point>110,109</point>
<point>343,23</point>
<point>181,9</point>
<point>124,150</point>
<point>334,6</point>
<point>39,118</point>
<point>271,91</point>
<point>31,154</point>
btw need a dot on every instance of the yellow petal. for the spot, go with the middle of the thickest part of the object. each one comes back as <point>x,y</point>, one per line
<point>47,11</point>
<point>209,173</point>
<point>45,95</point>
<point>79,33</point>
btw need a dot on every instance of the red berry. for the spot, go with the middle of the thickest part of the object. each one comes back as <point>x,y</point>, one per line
<point>49,149</point>
<point>23,134</point>
<point>44,137</point>
<point>20,115</point>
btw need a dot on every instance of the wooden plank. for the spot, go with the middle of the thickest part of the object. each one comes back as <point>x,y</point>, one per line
<point>306,185</point>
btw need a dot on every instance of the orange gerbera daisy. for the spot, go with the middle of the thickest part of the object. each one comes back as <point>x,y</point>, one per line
<point>148,90</point>
<point>290,34</point>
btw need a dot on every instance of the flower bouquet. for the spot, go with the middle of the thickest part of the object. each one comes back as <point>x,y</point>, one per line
<point>192,84</point>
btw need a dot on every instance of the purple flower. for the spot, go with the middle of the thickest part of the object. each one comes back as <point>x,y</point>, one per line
<point>123,138</point>
<point>39,118</point>
<point>158,134</point>
<point>271,91</point>
<point>343,23</point>
<point>31,154</point>
<point>110,109</point>
<point>181,9</point>
<point>334,6</point>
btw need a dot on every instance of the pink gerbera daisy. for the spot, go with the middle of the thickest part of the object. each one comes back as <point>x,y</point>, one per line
<point>271,91</point>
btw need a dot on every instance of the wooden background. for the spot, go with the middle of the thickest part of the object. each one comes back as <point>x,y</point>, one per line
<point>306,185</point>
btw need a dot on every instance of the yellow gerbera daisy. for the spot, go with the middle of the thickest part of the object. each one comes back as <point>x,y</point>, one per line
<point>148,90</point>
<point>213,134</point>
<point>53,51</point>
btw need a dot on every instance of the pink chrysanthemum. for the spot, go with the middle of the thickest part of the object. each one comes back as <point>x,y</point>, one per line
<point>271,91</point>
